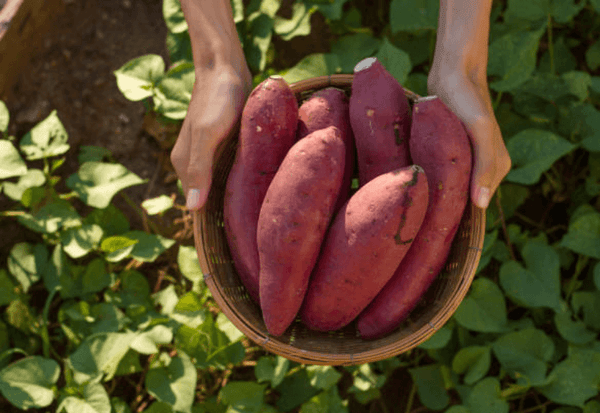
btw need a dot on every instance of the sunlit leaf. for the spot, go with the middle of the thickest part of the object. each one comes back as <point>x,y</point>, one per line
<point>395,60</point>
<point>26,263</point>
<point>47,138</point>
<point>174,91</point>
<point>4,117</point>
<point>11,163</point>
<point>173,16</point>
<point>137,77</point>
<point>174,384</point>
<point>298,25</point>
<point>97,183</point>
<point>158,205</point>
<point>28,383</point>
<point>31,179</point>
<point>94,400</point>
<point>79,241</point>
<point>313,65</point>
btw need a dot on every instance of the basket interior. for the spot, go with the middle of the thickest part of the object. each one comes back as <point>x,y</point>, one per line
<point>344,346</point>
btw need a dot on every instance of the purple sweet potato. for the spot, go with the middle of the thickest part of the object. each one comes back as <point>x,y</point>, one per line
<point>329,107</point>
<point>380,119</point>
<point>267,131</point>
<point>294,217</point>
<point>440,144</point>
<point>364,246</point>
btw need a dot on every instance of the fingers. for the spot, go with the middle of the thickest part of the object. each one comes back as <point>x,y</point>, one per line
<point>491,161</point>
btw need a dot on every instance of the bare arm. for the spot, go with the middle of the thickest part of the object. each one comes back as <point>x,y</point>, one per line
<point>222,84</point>
<point>459,77</point>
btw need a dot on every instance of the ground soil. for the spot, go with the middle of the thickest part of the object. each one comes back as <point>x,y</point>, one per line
<point>73,74</point>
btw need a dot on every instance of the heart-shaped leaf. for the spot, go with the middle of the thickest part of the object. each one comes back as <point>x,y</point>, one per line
<point>484,308</point>
<point>11,163</point>
<point>174,384</point>
<point>28,383</point>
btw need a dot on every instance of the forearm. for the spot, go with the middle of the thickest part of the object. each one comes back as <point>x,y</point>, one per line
<point>463,35</point>
<point>213,34</point>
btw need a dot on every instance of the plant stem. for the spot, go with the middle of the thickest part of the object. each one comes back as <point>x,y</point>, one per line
<point>8,352</point>
<point>582,262</point>
<point>504,228</point>
<point>45,334</point>
<point>411,398</point>
<point>497,101</point>
<point>550,44</point>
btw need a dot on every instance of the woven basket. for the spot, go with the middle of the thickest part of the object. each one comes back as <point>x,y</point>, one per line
<point>343,347</point>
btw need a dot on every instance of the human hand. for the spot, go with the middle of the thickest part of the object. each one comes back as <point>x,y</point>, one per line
<point>217,101</point>
<point>469,99</point>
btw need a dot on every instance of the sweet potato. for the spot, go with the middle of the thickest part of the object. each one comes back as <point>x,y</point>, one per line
<point>440,144</point>
<point>294,217</point>
<point>267,131</point>
<point>380,119</point>
<point>329,107</point>
<point>364,245</point>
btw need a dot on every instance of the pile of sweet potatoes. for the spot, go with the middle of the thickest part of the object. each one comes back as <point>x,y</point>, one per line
<point>309,245</point>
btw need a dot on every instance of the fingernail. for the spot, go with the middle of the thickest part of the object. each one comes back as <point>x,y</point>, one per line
<point>193,199</point>
<point>483,198</point>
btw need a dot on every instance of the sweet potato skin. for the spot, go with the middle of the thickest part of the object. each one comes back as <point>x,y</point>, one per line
<point>380,118</point>
<point>267,131</point>
<point>439,142</point>
<point>330,107</point>
<point>364,246</point>
<point>294,217</point>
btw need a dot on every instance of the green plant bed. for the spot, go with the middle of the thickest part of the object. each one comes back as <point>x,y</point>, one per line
<point>100,316</point>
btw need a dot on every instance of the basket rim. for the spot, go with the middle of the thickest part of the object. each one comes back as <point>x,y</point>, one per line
<point>294,353</point>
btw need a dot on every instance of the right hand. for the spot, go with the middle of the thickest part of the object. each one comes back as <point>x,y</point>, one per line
<point>216,105</point>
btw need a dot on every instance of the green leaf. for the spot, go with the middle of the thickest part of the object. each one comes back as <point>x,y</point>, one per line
<point>314,65</point>
<point>411,16</point>
<point>588,303</point>
<point>352,48</point>
<point>295,390</point>
<point>96,183</point>
<point>323,377</point>
<point>485,397</point>
<point>4,118</point>
<point>11,163</point>
<point>110,219</point>
<point>158,205</point>
<point>94,400</point>
<point>179,46</point>
<point>525,355</point>
<point>26,263</point>
<point>564,60</point>
<point>592,56</point>
<point>271,369</point>
<point>51,217</point>
<point>440,338</point>
<point>597,275</point>
<point>578,83</point>
<point>147,342</point>
<point>581,120</point>
<point>513,58</point>
<point>537,285</point>
<point>583,236</point>
<point>298,25</point>
<point>484,308</point>
<point>328,401</point>
<point>89,153</point>
<point>95,277</point>
<point>593,406</point>
<point>243,396</point>
<point>561,10</point>
<point>8,291</point>
<point>227,327</point>
<point>29,382</point>
<point>473,361</point>
<point>47,138</point>
<point>331,9</point>
<point>99,354</point>
<point>174,91</point>
<point>574,380</point>
<point>78,242</point>
<point>187,260</point>
<point>596,5</point>
<point>260,29</point>
<point>533,151</point>
<point>148,246</point>
<point>430,386</point>
<point>33,178</point>
<point>395,60</point>
<point>136,79</point>
<point>572,330</point>
<point>173,15</point>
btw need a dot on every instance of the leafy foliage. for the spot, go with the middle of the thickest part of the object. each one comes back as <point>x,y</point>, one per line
<point>81,318</point>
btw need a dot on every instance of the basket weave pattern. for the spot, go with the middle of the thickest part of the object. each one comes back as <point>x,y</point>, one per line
<point>343,347</point>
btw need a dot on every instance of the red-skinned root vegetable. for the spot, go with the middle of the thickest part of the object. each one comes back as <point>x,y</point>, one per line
<point>267,131</point>
<point>329,107</point>
<point>363,247</point>
<point>380,119</point>
<point>440,144</point>
<point>294,217</point>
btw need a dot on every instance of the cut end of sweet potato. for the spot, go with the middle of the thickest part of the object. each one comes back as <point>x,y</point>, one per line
<point>364,64</point>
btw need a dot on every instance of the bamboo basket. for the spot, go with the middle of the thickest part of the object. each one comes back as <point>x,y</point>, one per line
<point>343,347</point>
